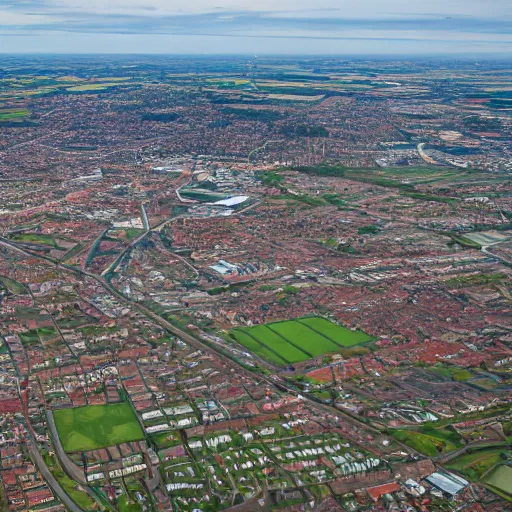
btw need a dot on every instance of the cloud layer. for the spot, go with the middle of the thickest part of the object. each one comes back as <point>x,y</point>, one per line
<point>266,26</point>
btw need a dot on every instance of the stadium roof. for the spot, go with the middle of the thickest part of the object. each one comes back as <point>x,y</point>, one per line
<point>232,201</point>
<point>447,482</point>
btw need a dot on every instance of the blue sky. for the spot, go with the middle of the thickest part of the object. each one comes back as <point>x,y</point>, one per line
<point>261,27</point>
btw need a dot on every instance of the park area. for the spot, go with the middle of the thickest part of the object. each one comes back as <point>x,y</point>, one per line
<point>293,341</point>
<point>97,426</point>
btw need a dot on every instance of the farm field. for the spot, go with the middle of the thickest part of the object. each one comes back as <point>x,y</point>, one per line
<point>97,426</point>
<point>293,341</point>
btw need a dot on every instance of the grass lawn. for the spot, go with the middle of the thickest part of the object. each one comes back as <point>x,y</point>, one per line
<point>253,345</point>
<point>461,374</point>
<point>13,286</point>
<point>202,195</point>
<point>303,336</point>
<point>29,338</point>
<point>47,333</point>
<point>35,238</point>
<point>337,333</point>
<point>97,426</point>
<point>273,341</point>
<point>80,497</point>
<point>6,115</point>
<point>293,341</point>
<point>429,441</point>
<point>88,87</point>
<point>474,465</point>
<point>128,505</point>
<point>454,372</point>
<point>132,233</point>
<point>501,479</point>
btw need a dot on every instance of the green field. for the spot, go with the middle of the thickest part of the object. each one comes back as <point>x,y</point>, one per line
<point>453,372</point>
<point>73,490</point>
<point>35,238</point>
<point>9,114</point>
<point>92,87</point>
<point>13,286</point>
<point>501,479</point>
<point>474,465</point>
<point>202,195</point>
<point>428,440</point>
<point>97,426</point>
<point>293,341</point>
<point>341,335</point>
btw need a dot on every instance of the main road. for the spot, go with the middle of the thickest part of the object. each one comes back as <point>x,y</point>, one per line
<point>197,343</point>
<point>49,478</point>
<point>194,341</point>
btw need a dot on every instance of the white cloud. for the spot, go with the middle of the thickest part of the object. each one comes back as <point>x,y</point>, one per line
<point>328,24</point>
<point>14,18</point>
<point>301,8</point>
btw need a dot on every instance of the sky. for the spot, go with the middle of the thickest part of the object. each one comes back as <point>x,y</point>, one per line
<point>336,27</point>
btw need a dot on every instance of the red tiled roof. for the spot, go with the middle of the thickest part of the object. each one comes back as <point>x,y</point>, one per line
<point>380,490</point>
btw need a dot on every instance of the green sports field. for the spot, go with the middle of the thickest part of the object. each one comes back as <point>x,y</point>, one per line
<point>97,426</point>
<point>293,341</point>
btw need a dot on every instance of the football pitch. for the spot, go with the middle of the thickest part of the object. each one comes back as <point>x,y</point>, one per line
<point>293,341</point>
<point>96,426</point>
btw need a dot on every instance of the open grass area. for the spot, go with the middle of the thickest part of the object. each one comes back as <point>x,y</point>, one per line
<point>34,238</point>
<point>474,465</point>
<point>92,87</point>
<point>29,338</point>
<point>255,346</point>
<point>271,338</point>
<point>453,372</point>
<point>310,341</point>
<point>428,440</point>
<point>132,233</point>
<point>475,280</point>
<point>126,504</point>
<point>501,479</point>
<point>80,497</point>
<point>13,286</point>
<point>10,114</point>
<point>298,340</point>
<point>341,335</point>
<point>202,195</point>
<point>97,426</point>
